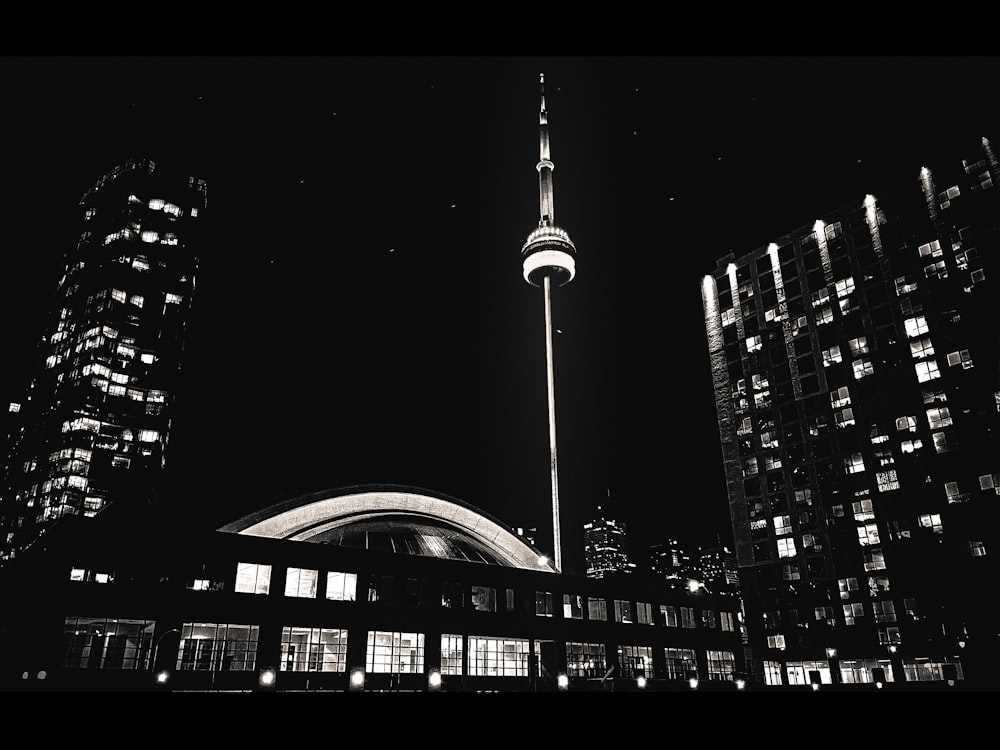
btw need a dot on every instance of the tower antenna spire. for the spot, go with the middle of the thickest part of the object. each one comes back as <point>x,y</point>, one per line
<point>548,254</point>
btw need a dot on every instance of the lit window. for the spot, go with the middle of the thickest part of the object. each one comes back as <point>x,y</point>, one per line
<point>750,466</point>
<point>820,297</point>
<point>174,299</point>
<point>921,348</point>
<point>906,423</point>
<point>754,344</point>
<point>252,578</point>
<point>854,464</point>
<point>306,649</point>
<point>940,442</point>
<point>874,559</point>
<point>932,249</point>
<point>831,356</point>
<point>939,417</point>
<point>341,586</point>
<point>147,358</point>
<point>840,397</point>
<point>953,493</point>
<point>887,480</point>
<point>844,418</point>
<point>786,547</point>
<point>136,299</point>
<point>977,548</point>
<point>960,357</point>
<point>782,525</point>
<point>868,534</point>
<point>915,326</point>
<point>728,316</point>
<point>927,370</point>
<point>909,446</point>
<point>845,287</point>
<point>863,511</point>
<point>904,287</point>
<point>852,612</point>
<point>931,521</point>
<point>824,316</point>
<point>863,367</point>
<point>301,582</point>
<point>990,482</point>
<point>148,436</point>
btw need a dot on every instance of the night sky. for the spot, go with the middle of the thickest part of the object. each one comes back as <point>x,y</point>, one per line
<point>360,315</point>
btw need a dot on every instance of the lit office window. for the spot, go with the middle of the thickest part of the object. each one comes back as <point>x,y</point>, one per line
<point>721,664</point>
<point>921,348</point>
<point>931,521</point>
<point>832,356</point>
<point>545,604</point>
<point>679,662</point>
<point>932,249</point>
<point>863,511</point>
<point>687,617</point>
<point>840,397</point>
<point>786,547</point>
<point>313,649</point>
<point>668,616</point>
<point>396,653</point>
<point>961,357</point>
<point>885,611</point>
<point>451,653</point>
<point>927,370</point>
<point>854,464</point>
<point>754,344</point>
<point>782,525</point>
<point>252,578</point>
<point>597,609</point>
<point>623,611</point>
<point>499,657</point>
<point>585,659</point>
<point>853,612</point>
<point>635,661</point>
<point>572,607</point>
<point>939,417</point>
<point>862,367</point>
<point>915,326</point>
<point>868,534</point>
<point>301,583</point>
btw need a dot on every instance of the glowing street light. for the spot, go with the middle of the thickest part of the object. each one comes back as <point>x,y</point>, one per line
<point>434,680</point>
<point>641,682</point>
<point>358,679</point>
<point>267,677</point>
<point>562,681</point>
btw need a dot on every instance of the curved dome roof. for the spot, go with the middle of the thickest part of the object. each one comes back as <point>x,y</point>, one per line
<point>401,520</point>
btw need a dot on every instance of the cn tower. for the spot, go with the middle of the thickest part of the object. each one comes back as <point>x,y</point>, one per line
<point>547,257</point>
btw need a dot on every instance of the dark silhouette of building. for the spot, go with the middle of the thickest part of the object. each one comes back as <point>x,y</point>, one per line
<point>670,560</point>
<point>854,364</point>
<point>93,425</point>
<point>364,588</point>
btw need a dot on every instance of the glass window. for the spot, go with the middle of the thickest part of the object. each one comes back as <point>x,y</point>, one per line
<point>313,649</point>
<point>644,613</point>
<point>687,617</point>
<point>301,582</point>
<point>680,662</point>
<point>544,604</point>
<point>341,586</point>
<point>451,653</point>
<point>253,578</point>
<point>107,643</point>
<point>597,609</point>
<point>668,615</point>
<point>635,661</point>
<point>394,652</point>
<point>572,607</point>
<point>499,657</point>
<point>484,598</point>
<point>208,646</point>
<point>623,611</point>
<point>585,659</point>
<point>721,665</point>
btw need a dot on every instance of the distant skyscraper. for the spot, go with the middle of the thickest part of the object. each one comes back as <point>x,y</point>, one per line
<point>855,366</point>
<point>605,547</point>
<point>717,566</point>
<point>547,257</point>
<point>669,560</point>
<point>93,425</point>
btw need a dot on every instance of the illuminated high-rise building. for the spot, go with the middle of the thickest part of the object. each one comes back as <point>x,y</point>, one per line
<point>93,424</point>
<point>605,547</point>
<point>547,259</point>
<point>855,370</point>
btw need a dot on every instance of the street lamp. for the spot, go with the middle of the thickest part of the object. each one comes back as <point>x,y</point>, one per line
<point>267,677</point>
<point>163,675</point>
<point>434,680</point>
<point>358,679</point>
<point>562,681</point>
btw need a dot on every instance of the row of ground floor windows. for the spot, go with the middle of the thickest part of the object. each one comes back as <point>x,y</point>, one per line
<point>104,643</point>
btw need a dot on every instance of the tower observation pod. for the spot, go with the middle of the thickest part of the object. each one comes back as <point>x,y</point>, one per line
<point>548,258</point>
